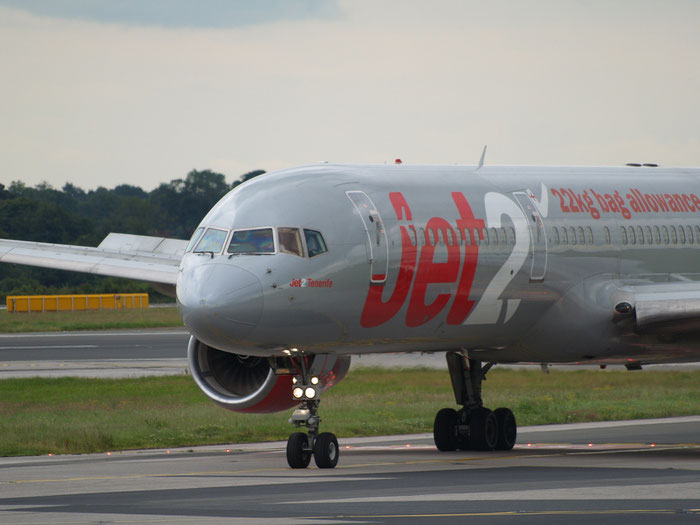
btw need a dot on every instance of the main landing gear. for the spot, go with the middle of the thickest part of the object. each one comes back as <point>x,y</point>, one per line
<point>300,446</point>
<point>473,427</point>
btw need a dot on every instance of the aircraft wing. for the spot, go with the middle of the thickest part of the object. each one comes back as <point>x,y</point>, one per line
<point>659,308</point>
<point>152,259</point>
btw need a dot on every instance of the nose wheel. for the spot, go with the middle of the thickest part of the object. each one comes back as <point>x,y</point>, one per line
<point>300,447</point>
<point>298,451</point>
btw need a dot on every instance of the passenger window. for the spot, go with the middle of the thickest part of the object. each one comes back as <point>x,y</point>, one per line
<point>624,234</point>
<point>664,230</point>
<point>697,235</point>
<point>477,239</point>
<point>212,241</point>
<point>681,234</point>
<point>290,241</point>
<point>606,231</point>
<point>564,238</point>
<point>632,237</point>
<point>452,238</point>
<point>504,236</point>
<point>464,233</point>
<point>315,244</point>
<point>647,230</point>
<point>195,237</point>
<point>485,236</point>
<point>689,234</point>
<point>581,238</point>
<point>493,235</point>
<point>589,235</point>
<point>657,235</point>
<point>252,242</point>
<point>640,234</point>
<point>674,235</point>
<point>555,235</point>
<point>512,235</point>
<point>572,235</point>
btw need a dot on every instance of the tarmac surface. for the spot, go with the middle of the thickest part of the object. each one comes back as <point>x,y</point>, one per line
<point>618,472</point>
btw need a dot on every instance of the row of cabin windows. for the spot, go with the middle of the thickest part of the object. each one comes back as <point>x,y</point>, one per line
<point>560,235</point>
<point>630,235</point>
<point>660,235</point>
<point>468,237</point>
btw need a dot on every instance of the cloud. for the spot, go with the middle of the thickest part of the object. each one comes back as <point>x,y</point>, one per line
<point>179,13</point>
<point>106,104</point>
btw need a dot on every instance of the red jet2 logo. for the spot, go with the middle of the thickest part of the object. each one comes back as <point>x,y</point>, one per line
<point>426,271</point>
<point>460,266</point>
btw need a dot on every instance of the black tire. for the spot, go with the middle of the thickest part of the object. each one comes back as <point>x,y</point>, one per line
<point>326,450</point>
<point>463,440</point>
<point>483,429</point>
<point>507,429</point>
<point>444,430</point>
<point>297,455</point>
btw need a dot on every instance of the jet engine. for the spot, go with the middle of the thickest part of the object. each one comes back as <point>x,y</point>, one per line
<point>249,384</point>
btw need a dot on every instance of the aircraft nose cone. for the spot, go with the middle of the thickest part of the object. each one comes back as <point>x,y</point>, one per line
<point>219,302</point>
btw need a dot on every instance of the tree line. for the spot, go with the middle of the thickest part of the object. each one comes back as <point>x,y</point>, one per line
<point>74,216</point>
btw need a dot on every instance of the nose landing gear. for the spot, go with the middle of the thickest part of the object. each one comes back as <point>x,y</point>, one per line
<point>473,427</point>
<point>300,446</point>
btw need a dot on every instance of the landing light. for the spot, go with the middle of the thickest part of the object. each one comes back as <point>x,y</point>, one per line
<point>294,381</point>
<point>314,380</point>
<point>310,392</point>
<point>298,392</point>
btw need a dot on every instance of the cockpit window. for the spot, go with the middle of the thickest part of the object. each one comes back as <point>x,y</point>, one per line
<point>195,237</point>
<point>314,242</point>
<point>256,241</point>
<point>212,241</point>
<point>290,241</point>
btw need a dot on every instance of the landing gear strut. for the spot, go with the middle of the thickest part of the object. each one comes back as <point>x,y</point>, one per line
<point>473,427</point>
<point>300,446</point>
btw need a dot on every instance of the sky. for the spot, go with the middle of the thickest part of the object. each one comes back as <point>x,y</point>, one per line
<point>103,93</point>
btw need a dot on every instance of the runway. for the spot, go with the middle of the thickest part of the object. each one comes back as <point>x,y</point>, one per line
<point>132,353</point>
<point>120,353</point>
<point>621,472</point>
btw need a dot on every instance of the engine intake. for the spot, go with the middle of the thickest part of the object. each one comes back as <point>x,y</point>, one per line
<point>248,383</point>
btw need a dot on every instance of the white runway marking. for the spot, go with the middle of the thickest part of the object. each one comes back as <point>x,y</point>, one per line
<point>53,347</point>
<point>92,334</point>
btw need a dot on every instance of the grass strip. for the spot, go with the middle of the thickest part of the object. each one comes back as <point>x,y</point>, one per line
<point>74,415</point>
<point>89,320</point>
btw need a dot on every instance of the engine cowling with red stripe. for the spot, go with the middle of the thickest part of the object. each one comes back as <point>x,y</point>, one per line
<point>248,384</point>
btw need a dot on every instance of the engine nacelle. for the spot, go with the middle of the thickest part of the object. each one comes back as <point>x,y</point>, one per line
<point>248,383</point>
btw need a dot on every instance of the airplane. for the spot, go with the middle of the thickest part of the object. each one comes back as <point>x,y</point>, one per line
<point>295,271</point>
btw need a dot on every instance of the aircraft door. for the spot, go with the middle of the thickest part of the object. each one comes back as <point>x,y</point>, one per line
<point>376,236</point>
<point>538,236</point>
